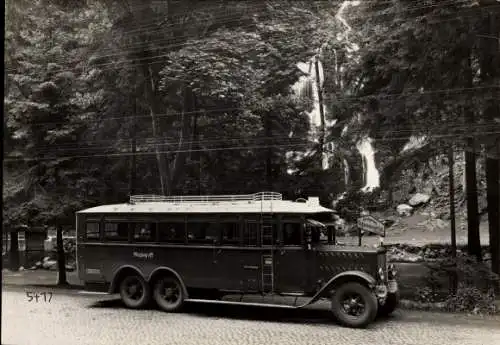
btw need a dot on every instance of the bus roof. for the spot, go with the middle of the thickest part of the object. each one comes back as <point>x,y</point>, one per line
<point>251,203</point>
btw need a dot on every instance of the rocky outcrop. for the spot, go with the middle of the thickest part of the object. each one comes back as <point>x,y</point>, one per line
<point>419,199</point>
<point>49,264</point>
<point>404,210</point>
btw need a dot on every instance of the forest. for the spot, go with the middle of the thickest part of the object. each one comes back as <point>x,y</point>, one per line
<point>351,101</point>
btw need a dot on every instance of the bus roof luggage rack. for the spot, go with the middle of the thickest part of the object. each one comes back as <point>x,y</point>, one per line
<point>262,196</point>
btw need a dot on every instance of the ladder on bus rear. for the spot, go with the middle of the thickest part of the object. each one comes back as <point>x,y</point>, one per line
<point>267,237</point>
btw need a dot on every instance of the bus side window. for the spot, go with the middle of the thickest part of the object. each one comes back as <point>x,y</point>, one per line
<point>291,234</point>
<point>250,233</point>
<point>92,231</point>
<point>173,232</point>
<point>202,232</point>
<point>116,231</point>
<point>145,232</point>
<point>230,233</point>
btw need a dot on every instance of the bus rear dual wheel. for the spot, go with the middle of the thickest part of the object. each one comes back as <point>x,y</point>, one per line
<point>166,291</point>
<point>134,291</point>
<point>168,294</point>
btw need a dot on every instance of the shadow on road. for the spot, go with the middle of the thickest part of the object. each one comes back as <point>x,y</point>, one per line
<point>247,313</point>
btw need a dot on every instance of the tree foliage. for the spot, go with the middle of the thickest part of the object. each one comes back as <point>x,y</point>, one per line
<point>45,110</point>
<point>204,87</point>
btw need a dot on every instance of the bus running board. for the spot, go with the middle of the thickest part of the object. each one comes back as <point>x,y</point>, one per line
<point>253,304</point>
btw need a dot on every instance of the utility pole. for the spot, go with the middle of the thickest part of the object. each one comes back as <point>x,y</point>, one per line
<point>451,177</point>
<point>321,110</point>
<point>473,236</point>
<point>133,163</point>
<point>489,71</point>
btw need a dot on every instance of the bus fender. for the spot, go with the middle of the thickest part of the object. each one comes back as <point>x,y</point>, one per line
<point>158,270</point>
<point>344,277</point>
<point>116,276</point>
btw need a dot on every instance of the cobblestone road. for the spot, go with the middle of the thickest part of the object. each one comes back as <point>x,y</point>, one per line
<point>78,319</point>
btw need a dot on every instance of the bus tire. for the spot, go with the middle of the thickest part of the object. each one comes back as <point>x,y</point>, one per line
<point>354,305</point>
<point>168,293</point>
<point>134,291</point>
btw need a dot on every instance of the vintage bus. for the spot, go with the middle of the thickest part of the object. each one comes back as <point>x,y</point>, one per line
<point>177,249</point>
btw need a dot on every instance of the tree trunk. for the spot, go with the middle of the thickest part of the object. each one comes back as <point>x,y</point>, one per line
<point>133,163</point>
<point>269,154</point>
<point>496,234</point>
<point>160,157</point>
<point>489,75</point>
<point>183,150</point>
<point>493,191</point>
<point>61,260</point>
<point>473,237</point>
<point>154,110</point>
<point>451,177</point>
<point>196,156</point>
<point>14,251</point>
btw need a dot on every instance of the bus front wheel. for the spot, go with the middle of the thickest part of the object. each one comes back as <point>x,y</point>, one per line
<point>134,291</point>
<point>354,305</point>
<point>169,294</point>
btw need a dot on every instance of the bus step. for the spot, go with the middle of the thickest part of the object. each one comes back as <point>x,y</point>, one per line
<point>254,304</point>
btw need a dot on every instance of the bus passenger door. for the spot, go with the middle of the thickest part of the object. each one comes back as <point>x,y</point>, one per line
<point>292,273</point>
<point>238,265</point>
<point>250,260</point>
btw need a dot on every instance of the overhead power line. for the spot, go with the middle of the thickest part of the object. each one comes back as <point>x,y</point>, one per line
<point>345,99</point>
<point>227,148</point>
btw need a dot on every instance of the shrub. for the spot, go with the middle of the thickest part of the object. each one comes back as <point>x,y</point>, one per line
<point>476,284</point>
<point>471,299</point>
<point>468,271</point>
<point>427,294</point>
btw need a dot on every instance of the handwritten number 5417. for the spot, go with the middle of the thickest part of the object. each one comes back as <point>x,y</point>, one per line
<point>39,296</point>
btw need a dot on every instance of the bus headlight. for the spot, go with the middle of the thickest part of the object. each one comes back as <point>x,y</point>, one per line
<point>391,272</point>
<point>381,274</point>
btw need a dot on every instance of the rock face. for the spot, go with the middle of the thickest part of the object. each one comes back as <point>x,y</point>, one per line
<point>49,264</point>
<point>404,210</point>
<point>419,199</point>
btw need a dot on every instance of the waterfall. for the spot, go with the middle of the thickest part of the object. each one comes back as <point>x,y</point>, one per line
<point>371,175</point>
<point>307,86</point>
<point>346,172</point>
<point>370,171</point>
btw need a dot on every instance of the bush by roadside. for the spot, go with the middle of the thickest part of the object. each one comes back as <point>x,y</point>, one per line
<point>475,291</point>
<point>48,260</point>
<point>427,253</point>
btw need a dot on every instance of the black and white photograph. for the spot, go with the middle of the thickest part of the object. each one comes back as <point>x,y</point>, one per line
<point>251,172</point>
